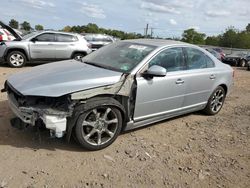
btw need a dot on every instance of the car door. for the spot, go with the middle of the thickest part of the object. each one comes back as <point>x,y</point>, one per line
<point>161,95</point>
<point>65,45</point>
<point>199,77</point>
<point>42,47</point>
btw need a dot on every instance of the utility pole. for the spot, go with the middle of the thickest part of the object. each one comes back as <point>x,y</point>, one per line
<point>151,35</point>
<point>146,31</point>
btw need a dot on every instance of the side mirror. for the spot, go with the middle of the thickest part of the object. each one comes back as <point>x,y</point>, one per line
<point>155,71</point>
<point>34,40</point>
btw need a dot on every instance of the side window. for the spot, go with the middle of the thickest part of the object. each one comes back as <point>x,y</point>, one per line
<point>46,37</point>
<point>196,59</point>
<point>171,59</point>
<point>66,38</point>
<point>210,63</point>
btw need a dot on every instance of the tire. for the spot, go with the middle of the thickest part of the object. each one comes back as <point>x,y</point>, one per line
<point>16,59</point>
<point>99,125</point>
<point>215,101</point>
<point>243,63</point>
<point>78,56</point>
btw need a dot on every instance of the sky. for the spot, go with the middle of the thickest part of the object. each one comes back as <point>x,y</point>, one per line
<point>168,18</point>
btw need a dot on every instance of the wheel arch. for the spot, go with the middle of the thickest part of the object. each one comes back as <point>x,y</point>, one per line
<point>117,101</point>
<point>224,86</point>
<point>9,50</point>
<point>78,51</point>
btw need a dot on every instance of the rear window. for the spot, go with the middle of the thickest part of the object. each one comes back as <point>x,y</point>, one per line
<point>66,38</point>
<point>196,59</point>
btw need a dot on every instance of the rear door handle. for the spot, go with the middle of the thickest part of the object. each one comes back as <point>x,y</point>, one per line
<point>50,44</point>
<point>179,81</point>
<point>212,76</point>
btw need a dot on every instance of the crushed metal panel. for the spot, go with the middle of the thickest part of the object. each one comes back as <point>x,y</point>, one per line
<point>122,88</point>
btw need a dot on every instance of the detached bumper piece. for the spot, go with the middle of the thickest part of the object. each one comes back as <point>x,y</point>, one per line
<point>55,122</point>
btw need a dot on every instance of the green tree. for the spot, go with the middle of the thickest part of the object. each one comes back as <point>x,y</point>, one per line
<point>193,37</point>
<point>248,27</point>
<point>213,40</point>
<point>66,29</point>
<point>39,27</point>
<point>26,26</point>
<point>230,37</point>
<point>14,24</point>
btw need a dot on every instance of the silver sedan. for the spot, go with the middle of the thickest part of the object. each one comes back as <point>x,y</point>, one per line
<point>122,86</point>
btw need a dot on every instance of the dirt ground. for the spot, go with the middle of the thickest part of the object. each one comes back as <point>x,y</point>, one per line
<point>189,151</point>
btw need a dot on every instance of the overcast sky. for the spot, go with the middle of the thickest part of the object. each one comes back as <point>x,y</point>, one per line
<point>168,17</point>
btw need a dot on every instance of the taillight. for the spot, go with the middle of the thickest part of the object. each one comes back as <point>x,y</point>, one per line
<point>233,73</point>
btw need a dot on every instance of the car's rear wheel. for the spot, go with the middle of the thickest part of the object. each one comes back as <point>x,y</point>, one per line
<point>78,56</point>
<point>16,59</point>
<point>98,127</point>
<point>243,63</point>
<point>248,65</point>
<point>215,101</point>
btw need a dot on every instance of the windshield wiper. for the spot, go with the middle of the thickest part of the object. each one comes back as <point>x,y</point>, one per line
<point>94,64</point>
<point>102,66</point>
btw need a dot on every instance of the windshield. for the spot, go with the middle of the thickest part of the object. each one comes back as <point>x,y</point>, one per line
<point>120,56</point>
<point>29,35</point>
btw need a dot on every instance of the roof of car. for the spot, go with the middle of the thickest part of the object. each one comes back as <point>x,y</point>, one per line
<point>157,42</point>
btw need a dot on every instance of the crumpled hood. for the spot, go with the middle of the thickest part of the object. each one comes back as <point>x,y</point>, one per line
<point>60,78</point>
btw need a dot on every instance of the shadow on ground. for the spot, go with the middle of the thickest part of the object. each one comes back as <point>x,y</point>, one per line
<point>35,138</point>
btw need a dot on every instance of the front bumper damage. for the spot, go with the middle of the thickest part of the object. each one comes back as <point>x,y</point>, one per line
<point>54,120</point>
<point>60,119</point>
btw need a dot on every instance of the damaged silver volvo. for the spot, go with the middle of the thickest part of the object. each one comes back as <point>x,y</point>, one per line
<point>122,86</point>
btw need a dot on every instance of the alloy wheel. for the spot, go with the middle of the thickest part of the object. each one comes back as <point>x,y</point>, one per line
<point>99,126</point>
<point>16,60</point>
<point>217,100</point>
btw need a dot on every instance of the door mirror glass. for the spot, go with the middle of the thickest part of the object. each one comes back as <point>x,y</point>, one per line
<point>155,71</point>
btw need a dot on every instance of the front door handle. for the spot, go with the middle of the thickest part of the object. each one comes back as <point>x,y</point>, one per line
<point>50,44</point>
<point>212,76</point>
<point>179,81</point>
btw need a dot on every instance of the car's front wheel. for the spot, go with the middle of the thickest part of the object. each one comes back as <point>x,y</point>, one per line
<point>16,59</point>
<point>98,127</point>
<point>215,101</point>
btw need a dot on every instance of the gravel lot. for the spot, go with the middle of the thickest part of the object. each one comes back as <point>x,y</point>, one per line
<point>190,151</point>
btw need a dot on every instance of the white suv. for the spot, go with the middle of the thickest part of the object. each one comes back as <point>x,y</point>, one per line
<point>43,46</point>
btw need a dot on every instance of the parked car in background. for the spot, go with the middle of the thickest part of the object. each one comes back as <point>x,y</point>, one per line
<point>98,40</point>
<point>43,46</point>
<point>122,86</point>
<point>215,53</point>
<point>222,54</point>
<point>248,62</point>
<point>236,59</point>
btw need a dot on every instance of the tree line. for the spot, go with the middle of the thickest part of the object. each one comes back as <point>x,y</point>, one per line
<point>231,37</point>
<point>24,25</point>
